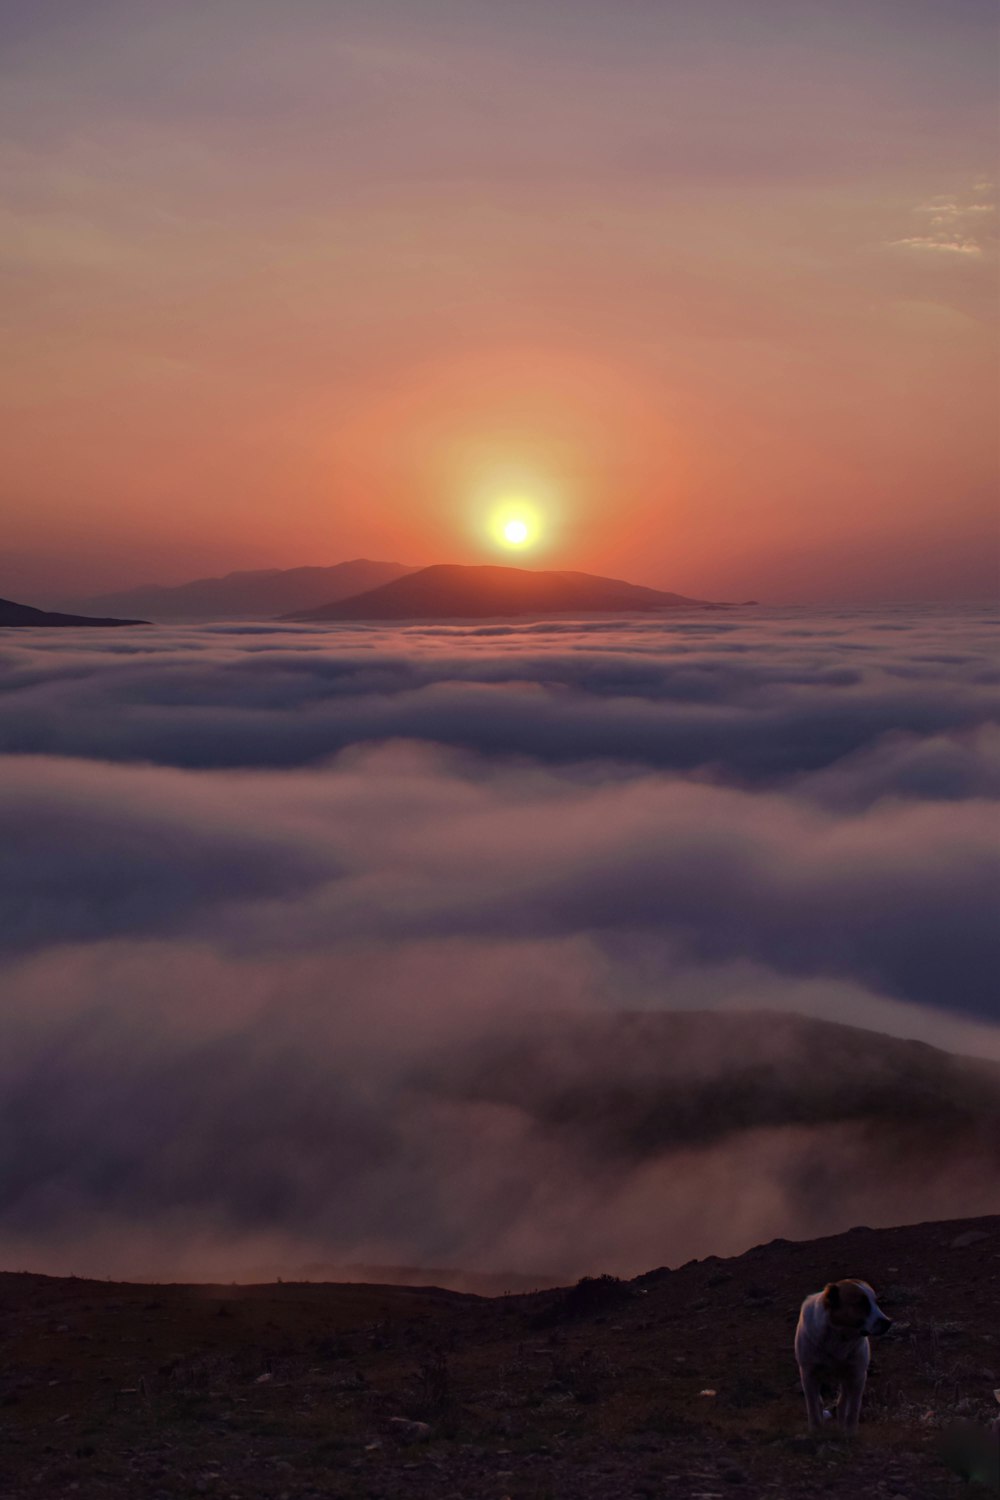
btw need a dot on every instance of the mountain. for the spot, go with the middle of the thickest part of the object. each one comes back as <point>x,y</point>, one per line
<point>25,615</point>
<point>639,1083</point>
<point>252,595</point>
<point>679,1383</point>
<point>453,591</point>
<point>707,1128</point>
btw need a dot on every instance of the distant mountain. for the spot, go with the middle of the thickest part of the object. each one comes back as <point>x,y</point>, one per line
<point>24,615</point>
<point>252,595</point>
<point>841,1125</point>
<point>639,1083</point>
<point>479,1283</point>
<point>453,591</point>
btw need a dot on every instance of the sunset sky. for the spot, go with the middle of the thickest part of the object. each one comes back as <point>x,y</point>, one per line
<point>711,286</point>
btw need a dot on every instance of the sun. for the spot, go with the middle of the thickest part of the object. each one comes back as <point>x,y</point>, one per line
<point>515,523</point>
<point>516,532</point>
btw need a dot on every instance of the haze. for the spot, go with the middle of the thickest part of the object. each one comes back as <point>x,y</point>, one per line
<point>713,285</point>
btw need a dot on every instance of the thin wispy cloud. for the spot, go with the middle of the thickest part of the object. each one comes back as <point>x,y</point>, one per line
<point>939,243</point>
<point>956,226</point>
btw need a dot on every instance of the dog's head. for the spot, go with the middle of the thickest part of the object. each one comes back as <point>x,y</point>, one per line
<point>851,1308</point>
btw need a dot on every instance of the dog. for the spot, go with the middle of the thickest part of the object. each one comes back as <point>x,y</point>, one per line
<point>832,1348</point>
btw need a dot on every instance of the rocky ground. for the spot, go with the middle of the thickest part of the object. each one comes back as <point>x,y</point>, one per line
<point>678,1384</point>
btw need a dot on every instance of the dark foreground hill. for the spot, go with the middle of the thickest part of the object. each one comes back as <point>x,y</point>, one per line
<point>679,1384</point>
<point>25,615</point>
<point>260,594</point>
<point>452,591</point>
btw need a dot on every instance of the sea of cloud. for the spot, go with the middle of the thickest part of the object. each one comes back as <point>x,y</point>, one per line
<point>256,878</point>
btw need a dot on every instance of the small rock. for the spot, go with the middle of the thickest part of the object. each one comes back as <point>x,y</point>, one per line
<point>970,1237</point>
<point>406,1431</point>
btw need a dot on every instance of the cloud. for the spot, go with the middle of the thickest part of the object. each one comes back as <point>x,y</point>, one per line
<point>172,1111</point>
<point>751,701</point>
<point>281,902</point>
<point>92,854</point>
<point>957,226</point>
<point>408,842</point>
<point>938,243</point>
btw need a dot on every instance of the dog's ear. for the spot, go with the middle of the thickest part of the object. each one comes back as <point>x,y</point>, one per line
<point>831,1295</point>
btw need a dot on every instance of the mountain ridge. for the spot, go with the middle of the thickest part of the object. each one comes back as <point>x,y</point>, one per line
<point>558,1066</point>
<point>27,617</point>
<point>252,592</point>
<point>491,591</point>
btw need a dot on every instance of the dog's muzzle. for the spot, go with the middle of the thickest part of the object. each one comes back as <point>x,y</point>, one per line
<point>882,1325</point>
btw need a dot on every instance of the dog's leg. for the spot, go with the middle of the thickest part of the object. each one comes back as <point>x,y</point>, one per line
<point>850,1402</point>
<point>814,1401</point>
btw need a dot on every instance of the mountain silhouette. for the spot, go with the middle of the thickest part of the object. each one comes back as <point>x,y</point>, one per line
<point>454,591</point>
<point>25,615</point>
<point>259,594</point>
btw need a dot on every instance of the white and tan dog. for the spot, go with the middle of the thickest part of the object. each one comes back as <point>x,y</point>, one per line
<point>831,1347</point>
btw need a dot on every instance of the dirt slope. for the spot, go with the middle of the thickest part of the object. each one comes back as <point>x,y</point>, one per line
<point>679,1384</point>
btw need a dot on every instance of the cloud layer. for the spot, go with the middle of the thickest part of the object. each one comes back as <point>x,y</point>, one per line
<point>260,880</point>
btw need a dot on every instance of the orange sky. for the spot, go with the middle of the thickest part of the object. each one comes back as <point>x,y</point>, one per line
<point>713,284</point>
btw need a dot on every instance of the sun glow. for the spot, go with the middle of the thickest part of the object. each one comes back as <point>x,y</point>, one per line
<point>515,523</point>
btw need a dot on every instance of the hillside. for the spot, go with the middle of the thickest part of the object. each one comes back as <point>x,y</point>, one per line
<point>24,615</point>
<point>258,594</point>
<point>679,1384</point>
<point>453,591</point>
<point>643,1110</point>
<point>635,1083</point>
